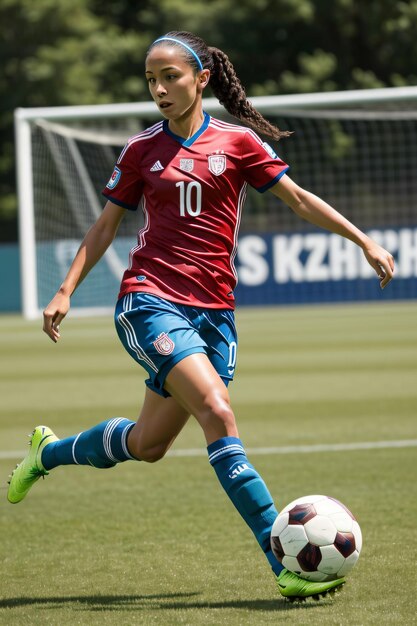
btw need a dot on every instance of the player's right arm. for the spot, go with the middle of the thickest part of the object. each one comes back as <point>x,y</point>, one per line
<point>92,248</point>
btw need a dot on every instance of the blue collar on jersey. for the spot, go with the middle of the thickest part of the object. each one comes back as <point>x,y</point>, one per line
<point>188,142</point>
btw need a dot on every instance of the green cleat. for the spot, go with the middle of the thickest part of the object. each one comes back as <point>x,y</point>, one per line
<point>295,588</point>
<point>30,469</point>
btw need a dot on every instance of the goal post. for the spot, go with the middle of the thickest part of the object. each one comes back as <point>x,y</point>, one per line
<point>356,149</point>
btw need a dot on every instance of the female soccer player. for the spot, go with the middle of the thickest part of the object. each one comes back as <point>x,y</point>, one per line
<point>174,314</point>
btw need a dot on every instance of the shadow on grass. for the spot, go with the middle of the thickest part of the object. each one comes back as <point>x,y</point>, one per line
<point>171,601</point>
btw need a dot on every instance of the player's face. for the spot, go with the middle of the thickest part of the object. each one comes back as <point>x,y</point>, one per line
<point>173,83</point>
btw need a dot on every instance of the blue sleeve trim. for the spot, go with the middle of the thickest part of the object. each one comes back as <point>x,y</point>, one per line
<point>272,182</point>
<point>124,205</point>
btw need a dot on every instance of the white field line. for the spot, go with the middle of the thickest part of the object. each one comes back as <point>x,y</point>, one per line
<point>330,447</point>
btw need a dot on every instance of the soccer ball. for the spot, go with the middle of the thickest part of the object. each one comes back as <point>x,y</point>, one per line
<point>316,537</point>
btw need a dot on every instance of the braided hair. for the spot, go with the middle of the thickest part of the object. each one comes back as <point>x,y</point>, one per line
<point>224,81</point>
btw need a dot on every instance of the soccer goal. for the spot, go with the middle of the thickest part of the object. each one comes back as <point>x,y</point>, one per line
<point>356,149</point>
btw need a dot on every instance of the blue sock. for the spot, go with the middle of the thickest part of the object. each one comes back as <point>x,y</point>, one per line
<point>247,491</point>
<point>102,446</point>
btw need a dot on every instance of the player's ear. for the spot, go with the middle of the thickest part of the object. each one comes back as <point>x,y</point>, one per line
<point>204,78</point>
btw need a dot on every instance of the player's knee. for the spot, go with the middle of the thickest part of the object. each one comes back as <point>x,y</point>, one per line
<point>153,455</point>
<point>150,454</point>
<point>217,415</point>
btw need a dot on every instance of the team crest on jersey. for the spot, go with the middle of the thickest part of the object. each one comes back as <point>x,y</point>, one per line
<point>187,165</point>
<point>217,164</point>
<point>114,178</point>
<point>164,344</point>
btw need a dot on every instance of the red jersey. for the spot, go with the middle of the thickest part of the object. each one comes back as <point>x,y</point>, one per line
<point>192,192</point>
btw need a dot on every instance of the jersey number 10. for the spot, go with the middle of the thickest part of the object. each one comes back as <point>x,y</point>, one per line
<point>190,198</point>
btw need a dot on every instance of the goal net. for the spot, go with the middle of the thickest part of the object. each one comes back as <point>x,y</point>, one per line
<point>356,150</point>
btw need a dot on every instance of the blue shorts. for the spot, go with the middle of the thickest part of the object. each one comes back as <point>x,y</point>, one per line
<point>158,334</point>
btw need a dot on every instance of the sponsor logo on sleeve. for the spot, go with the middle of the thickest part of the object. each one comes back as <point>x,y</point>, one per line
<point>114,178</point>
<point>270,150</point>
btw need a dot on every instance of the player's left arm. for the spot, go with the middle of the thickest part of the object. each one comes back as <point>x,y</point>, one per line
<point>313,209</point>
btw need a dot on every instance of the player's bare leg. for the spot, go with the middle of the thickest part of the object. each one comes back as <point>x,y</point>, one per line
<point>159,423</point>
<point>196,385</point>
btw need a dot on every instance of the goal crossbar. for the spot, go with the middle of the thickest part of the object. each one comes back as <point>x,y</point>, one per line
<point>212,105</point>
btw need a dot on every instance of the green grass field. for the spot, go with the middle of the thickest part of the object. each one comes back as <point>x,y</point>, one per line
<point>161,544</point>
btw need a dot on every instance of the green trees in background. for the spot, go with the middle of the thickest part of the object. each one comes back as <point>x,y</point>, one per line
<point>60,52</point>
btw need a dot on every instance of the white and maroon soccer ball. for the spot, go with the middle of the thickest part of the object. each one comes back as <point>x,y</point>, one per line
<point>316,537</point>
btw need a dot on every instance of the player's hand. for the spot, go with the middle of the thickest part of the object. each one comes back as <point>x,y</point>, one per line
<point>54,314</point>
<point>381,260</point>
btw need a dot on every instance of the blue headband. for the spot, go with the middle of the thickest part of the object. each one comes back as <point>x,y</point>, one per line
<point>195,55</point>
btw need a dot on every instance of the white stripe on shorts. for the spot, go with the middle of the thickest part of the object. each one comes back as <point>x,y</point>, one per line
<point>131,339</point>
